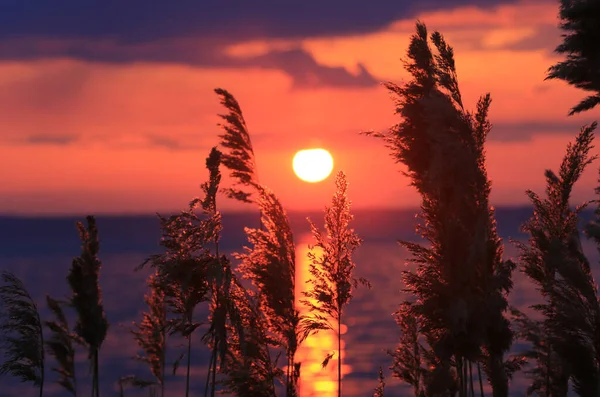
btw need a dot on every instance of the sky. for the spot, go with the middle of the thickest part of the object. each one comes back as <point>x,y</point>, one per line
<point>108,107</point>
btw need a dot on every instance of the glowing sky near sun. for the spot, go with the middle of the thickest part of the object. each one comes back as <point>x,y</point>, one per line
<point>94,123</point>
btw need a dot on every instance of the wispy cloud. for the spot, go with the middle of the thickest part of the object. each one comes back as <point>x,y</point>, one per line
<point>525,130</point>
<point>49,139</point>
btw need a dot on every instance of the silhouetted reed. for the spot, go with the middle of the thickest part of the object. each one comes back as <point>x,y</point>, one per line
<point>553,259</point>
<point>22,343</point>
<point>91,325</point>
<point>60,346</point>
<point>189,271</point>
<point>270,264</point>
<point>150,334</point>
<point>249,367</point>
<point>331,270</point>
<point>239,154</point>
<point>579,20</point>
<point>461,281</point>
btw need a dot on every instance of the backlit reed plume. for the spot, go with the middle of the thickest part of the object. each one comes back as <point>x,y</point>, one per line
<point>83,278</point>
<point>332,269</point>
<point>271,264</point>
<point>273,247</point>
<point>21,337</point>
<point>249,367</point>
<point>460,280</point>
<point>189,272</point>
<point>61,346</point>
<point>239,156</point>
<point>554,260</point>
<point>547,373</point>
<point>408,359</point>
<point>150,333</point>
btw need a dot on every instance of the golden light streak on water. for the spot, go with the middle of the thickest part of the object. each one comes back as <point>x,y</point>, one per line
<point>315,381</point>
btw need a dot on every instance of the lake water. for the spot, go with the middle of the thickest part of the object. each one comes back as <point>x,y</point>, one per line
<point>40,250</point>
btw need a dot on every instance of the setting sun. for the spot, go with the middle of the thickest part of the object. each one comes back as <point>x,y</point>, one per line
<point>312,165</point>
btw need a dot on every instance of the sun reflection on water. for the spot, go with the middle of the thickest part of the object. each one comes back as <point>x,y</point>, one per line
<point>314,379</point>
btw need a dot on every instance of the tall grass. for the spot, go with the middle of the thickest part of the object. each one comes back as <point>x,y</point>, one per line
<point>22,342</point>
<point>83,278</point>
<point>332,269</point>
<point>61,345</point>
<point>553,259</point>
<point>461,282</point>
<point>151,336</point>
<point>271,265</point>
<point>579,21</point>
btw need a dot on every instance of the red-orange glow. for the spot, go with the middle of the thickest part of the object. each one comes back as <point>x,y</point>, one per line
<point>83,136</point>
<point>315,380</point>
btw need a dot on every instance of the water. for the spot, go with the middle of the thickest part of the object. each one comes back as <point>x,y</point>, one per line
<point>40,250</point>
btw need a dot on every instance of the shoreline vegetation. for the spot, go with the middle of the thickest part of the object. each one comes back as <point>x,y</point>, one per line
<point>455,329</point>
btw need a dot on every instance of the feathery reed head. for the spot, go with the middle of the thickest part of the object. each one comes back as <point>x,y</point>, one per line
<point>21,340</point>
<point>553,259</point>
<point>271,262</point>
<point>240,156</point>
<point>150,333</point>
<point>61,347</point>
<point>579,21</point>
<point>332,271</point>
<point>83,279</point>
<point>461,281</point>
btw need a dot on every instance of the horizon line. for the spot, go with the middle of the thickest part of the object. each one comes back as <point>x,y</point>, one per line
<point>120,214</point>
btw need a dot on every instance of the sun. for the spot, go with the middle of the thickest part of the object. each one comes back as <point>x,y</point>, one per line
<point>312,165</point>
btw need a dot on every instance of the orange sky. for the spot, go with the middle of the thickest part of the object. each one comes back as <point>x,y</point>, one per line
<point>83,136</point>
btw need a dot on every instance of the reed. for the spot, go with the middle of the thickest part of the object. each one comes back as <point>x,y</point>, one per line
<point>22,339</point>
<point>332,280</point>
<point>83,278</point>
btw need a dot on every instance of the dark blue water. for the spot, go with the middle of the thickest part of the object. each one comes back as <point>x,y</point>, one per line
<point>40,250</point>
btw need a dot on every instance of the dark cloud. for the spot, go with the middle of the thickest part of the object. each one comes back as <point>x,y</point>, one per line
<point>524,130</point>
<point>306,72</point>
<point>296,62</point>
<point>143,21</point>
<point>546,37</point>
<point>50,139</point>
<point>171,143</point>
<point>196,32</point>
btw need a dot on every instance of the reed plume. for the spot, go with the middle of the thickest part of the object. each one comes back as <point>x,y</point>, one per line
<point>332,270</point>
<point>150,333</point>
<point>83,279</point>
<point>239,156</point>
<point>249,367</point>
<point>22,339</point>
<point>271,264</point>
<point>554,260</point>
<point>461,281</point>
<point>189,272</point>
<point>579,20</point>
<point>408,356</point>
<point>61,346</point>
<point>273,245</point>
